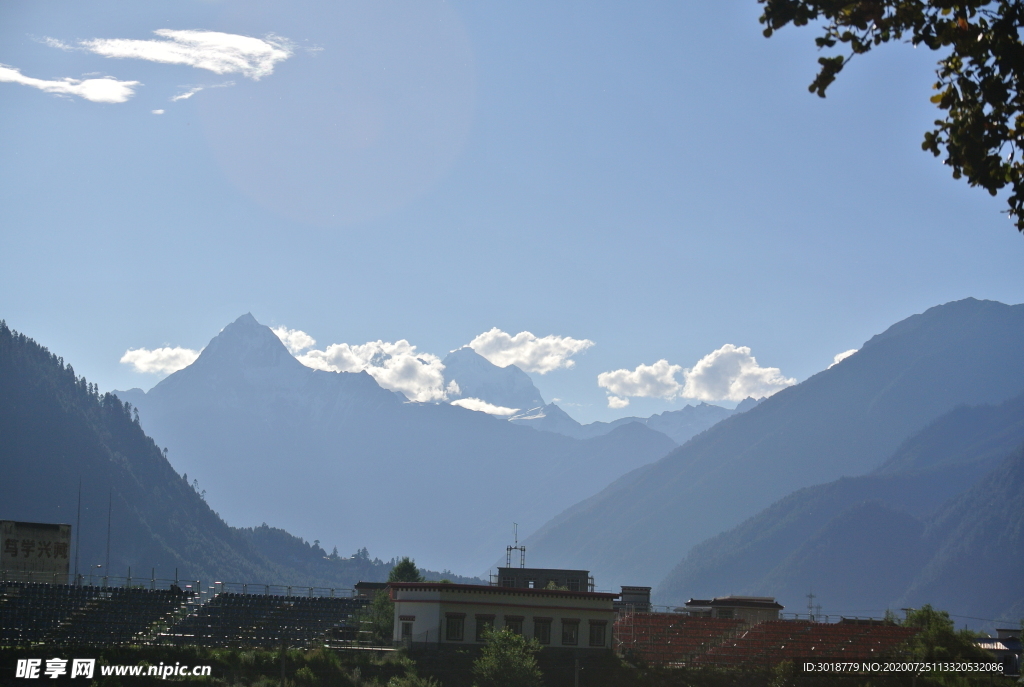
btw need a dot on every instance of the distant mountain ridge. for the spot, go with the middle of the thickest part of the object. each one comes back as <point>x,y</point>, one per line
<point>475,377</point>
<point>679,425</point>
<point>843,421</point>
<point>330,454</point>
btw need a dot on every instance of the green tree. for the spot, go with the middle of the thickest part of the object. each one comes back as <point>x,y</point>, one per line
<point>507,660</point>
<point>405,570</point>
<point>938,639</point>
<point>413,681</point>
<point>979,73</point>
<point>379,618</point>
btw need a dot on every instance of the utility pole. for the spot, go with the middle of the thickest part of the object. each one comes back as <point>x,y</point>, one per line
<point>110,505</point>
<point>284,653</point>
<point>78,528</point>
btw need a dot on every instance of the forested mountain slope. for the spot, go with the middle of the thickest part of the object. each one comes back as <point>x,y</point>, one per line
<point>57,431</point>
<point>787,549</point>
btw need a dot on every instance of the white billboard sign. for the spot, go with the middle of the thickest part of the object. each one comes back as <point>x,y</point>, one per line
<point>34,547</point>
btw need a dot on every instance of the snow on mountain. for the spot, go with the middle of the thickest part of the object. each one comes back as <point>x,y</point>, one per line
<point>475,377</point>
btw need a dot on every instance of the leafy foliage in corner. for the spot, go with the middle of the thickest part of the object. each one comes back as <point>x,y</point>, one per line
<point>507,660</point>
<point>979,76</point>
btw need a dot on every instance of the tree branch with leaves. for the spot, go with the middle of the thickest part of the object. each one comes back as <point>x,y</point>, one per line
<point>979,74</point>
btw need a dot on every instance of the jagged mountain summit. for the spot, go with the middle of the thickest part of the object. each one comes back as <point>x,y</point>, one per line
<point>845,420</point>
<point>246,362</point>
<point>477,377</point>
<point>332,455</point>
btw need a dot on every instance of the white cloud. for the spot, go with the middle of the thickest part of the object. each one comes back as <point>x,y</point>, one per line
<point>484,407</point>
<point>157,111</point>
<point>54,43</point>
<point>221,53</point>
<point>159,360</point>
<point>187,94</point>
<point>840,357</point>
<point>528,352</point>
<point>104,90</point>
<point>192,90</point>
<point>396,366</point>
<point>651,381</point>
<point>730,373</point>
<point>295,340</point>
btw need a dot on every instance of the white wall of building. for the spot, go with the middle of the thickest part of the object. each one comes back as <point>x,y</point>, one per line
<point>430,613</point>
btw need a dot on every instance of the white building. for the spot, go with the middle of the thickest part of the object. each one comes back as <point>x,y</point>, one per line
<point>436,613</point>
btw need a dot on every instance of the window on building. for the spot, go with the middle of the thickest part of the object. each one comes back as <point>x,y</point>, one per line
<point>483,624</point>
<point>597,633</point>
<point>508,582</point>
<point>725,613</point>
<point>531,584</point>
<point>570,632</point>
<point>542,630</point>
<point>574,585</point>
<point>406,631</point>
<point>514,623</point>
<point>454,628</point>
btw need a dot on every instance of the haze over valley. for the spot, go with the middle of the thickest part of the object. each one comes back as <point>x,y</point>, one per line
<point>920,427</point>
<point>299,289</point>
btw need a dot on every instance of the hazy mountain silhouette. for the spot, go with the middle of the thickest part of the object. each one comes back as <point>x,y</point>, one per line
<point>860,542</point>
<point>57,432</point>
<point>843,421</point>
<point>962,559</point>
<point>335,457</point>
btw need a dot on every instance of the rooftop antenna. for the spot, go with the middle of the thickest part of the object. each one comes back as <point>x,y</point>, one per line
<point>810,605</point>
<point>517,547</point>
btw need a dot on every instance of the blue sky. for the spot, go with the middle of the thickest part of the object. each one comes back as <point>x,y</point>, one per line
<point>655,180</point>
